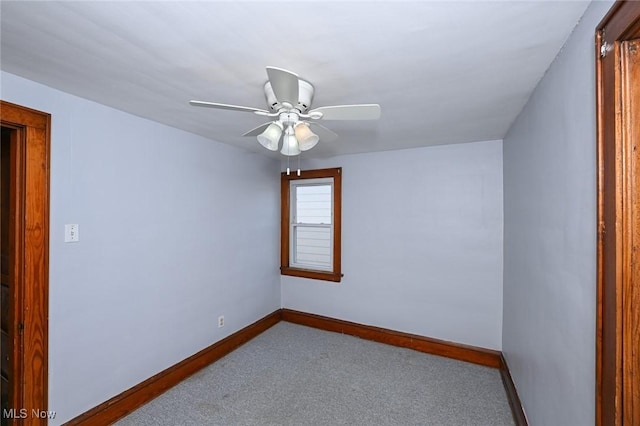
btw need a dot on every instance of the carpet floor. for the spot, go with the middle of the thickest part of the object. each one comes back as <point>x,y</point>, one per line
<point>296,375</point>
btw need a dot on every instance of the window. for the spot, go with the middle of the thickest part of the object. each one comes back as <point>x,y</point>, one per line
<point>311,224</point>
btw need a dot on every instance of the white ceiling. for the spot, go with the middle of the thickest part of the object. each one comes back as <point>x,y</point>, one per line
<point>443,72</point>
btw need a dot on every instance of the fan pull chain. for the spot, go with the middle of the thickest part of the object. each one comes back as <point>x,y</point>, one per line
<point>288,169</point>
<point>299,164</point>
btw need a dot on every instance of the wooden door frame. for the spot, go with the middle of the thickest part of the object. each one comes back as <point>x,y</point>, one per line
<point>618,221</point>
<point>30,265</point>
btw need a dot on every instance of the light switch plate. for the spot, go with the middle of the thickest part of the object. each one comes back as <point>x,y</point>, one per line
<point>71,234</point>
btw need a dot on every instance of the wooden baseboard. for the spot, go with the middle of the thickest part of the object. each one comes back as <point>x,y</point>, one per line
<point>512,394</point>
<point>129,400</point>
<point>481,356</point>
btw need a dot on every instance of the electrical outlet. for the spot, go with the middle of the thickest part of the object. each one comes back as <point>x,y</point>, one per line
<point>221,321</point>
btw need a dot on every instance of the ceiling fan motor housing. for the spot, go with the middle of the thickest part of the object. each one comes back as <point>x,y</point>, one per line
<point>305,96</point>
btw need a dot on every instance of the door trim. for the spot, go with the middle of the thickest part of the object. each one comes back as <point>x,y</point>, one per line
<point>31,263</point>
<point>618,166</point>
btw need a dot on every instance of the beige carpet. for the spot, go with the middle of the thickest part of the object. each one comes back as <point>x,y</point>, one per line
<point>295,375</point>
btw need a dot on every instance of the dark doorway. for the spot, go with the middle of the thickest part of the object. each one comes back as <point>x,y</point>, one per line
<point>5,284</point>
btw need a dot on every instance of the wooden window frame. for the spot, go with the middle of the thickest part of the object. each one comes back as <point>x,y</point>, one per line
<point>285,269</point>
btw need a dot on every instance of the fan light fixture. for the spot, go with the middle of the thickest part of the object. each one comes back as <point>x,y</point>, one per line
<point>290,143</point>
<point>306,138</point>
<point>270,138</point>
<point>298,137</point>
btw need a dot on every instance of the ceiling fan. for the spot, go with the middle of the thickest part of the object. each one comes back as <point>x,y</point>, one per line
<point>289,101</point>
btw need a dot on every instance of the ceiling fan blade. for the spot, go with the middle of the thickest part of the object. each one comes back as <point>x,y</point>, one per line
<point>228,107</point>
<point>349,112</point>
<point>323,133</point>
<point>284,84</point>
<point>258,130</point>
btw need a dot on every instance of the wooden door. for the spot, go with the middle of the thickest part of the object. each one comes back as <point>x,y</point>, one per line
<point>630,57</point>
<point>618,337</point>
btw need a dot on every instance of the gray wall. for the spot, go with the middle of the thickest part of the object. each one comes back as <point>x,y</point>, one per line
<point>421,244</point>
<point>174,230</point>
<point>550,238</point>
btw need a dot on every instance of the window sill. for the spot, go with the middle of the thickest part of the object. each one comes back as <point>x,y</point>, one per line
<point>311,274</point>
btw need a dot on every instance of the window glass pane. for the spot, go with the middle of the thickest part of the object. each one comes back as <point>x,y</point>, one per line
<point>313,246</point>
<point>313,204</point>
